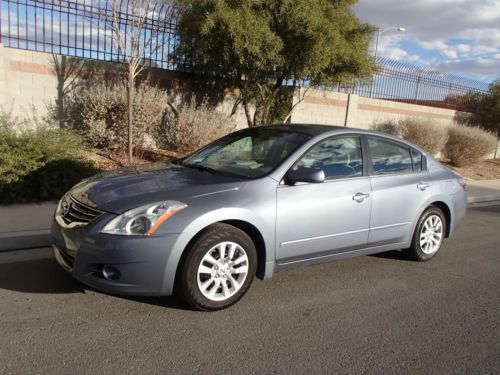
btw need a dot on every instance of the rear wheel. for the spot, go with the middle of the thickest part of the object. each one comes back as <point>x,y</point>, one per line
<point>429,234</point>
<point>219,268</point>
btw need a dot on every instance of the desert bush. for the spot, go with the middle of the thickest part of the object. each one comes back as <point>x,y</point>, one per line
<point>100,111</point>
<point>467,145</point>
<point>388,127</point>
<point>428,135</point>
<point>192,125</point>
<point>37,164</point>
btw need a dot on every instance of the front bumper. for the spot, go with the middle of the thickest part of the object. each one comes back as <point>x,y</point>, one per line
<point>142,262</point>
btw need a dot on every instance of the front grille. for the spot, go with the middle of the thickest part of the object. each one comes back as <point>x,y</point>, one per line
<point>75,212</point>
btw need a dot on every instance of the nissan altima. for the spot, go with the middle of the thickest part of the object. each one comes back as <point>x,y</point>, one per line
<point>257,201</point>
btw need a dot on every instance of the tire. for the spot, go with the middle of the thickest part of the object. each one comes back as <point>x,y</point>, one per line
<point>428,236</point>
<point>222,255</point>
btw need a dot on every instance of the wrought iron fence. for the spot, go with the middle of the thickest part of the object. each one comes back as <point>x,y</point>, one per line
<point>407,83</point>
<point>84,29</point>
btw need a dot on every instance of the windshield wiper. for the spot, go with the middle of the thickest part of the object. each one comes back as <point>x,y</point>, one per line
<point>201,168</point>
<point>204,168</point>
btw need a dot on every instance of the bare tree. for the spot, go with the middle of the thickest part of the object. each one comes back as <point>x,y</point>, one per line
<point>71,73</point>
<point>136,44</point>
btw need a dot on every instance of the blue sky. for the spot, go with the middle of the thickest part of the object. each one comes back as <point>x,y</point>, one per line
<point>456,36</point>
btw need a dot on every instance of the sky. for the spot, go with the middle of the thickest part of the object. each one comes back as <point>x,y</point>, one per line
<point>456,36</point>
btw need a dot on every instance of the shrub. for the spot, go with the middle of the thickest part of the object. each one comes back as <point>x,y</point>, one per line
<point>193,125</point>
<point>467,145</point>
<point>100,110</point>
<point>388,127</point>
<point>430,136</point>
<point>38,164</point>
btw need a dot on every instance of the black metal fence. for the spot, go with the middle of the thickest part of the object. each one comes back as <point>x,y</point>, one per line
<point>85,29</point>
<point>407,83</point>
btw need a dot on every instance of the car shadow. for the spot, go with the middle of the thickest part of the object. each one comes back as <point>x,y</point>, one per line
<point>394,254</point>
<point>45,276</point>
<point>37,276</point>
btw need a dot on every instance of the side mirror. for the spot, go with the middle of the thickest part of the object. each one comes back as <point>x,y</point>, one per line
<point>310,175</point>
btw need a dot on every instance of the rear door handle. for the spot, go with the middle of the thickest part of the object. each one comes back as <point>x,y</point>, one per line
<point>360,197</point>
<point>422,185</point>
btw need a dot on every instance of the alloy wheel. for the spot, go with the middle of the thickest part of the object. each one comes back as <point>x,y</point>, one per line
<point>431,234</point>
<point>222,271</point>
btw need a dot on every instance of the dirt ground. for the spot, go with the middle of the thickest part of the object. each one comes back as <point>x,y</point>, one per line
<point>483,170</point>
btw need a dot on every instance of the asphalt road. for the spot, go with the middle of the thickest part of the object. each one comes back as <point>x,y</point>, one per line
<point>373,314</point>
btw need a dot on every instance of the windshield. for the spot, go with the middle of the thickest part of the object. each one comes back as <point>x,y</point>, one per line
<point>249,153</point>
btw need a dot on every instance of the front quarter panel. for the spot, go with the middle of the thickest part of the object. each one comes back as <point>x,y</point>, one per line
<point>254,203</point>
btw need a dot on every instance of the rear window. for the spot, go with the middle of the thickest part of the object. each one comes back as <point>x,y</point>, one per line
<point>417,160</point>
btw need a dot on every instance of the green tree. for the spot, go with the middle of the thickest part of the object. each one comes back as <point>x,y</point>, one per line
<point>483,110</point>
<point>267,48</point>
<point>490,113</point>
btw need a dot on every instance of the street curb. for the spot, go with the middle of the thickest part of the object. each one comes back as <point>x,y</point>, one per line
<point>25,240</point>
<point>491,198</point>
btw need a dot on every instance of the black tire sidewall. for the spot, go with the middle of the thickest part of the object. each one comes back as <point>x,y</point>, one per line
<point>208,239</point>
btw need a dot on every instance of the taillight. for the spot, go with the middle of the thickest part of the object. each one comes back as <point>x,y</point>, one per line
<point>460,179</point>
<point>461,182</point>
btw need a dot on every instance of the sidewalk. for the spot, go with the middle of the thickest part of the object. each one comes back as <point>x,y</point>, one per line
<point>24,226</point>
<point>483,191</point>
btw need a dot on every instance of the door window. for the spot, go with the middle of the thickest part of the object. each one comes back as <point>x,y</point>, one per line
<point>338,157</point>
<point>389,157</point>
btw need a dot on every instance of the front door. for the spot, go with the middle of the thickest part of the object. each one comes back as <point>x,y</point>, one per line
<point>316,219</point>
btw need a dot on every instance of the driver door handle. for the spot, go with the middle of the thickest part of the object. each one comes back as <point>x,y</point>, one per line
<point>422,185</point>
<point>360,197</point>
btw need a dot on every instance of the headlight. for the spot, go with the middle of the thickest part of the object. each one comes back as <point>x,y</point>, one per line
<point>144,220</point>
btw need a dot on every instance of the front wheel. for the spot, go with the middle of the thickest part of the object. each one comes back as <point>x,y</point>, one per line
<point>219,268</point>
<point>429,234</point>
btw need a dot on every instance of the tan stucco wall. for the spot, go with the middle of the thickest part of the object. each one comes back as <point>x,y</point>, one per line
<point>28,80</point>
<point>326,107</point>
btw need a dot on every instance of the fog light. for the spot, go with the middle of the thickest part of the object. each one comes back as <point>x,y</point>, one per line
<point>110,273</point>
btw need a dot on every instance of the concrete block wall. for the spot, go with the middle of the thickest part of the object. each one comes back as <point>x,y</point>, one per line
<point>27,81</point>
<point>334,108</point>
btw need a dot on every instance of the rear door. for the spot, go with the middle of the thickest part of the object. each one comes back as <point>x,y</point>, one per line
<point>315,219</point>
<point>400,186</point>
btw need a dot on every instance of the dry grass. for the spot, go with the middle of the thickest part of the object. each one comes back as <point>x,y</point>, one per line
<point>195,125</point>
<point>427,135</point>
<point>100,110</point>
<point>481,170</point>
<point>468,145</point>
<point>388,127</point>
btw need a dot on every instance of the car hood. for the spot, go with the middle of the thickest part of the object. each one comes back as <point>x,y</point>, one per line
<point>123,189</point>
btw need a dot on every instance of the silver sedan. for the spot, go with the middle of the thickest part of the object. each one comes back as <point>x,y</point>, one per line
<point>252,203</point>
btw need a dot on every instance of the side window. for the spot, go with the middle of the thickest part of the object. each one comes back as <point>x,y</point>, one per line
<point>389,157</point>
<point>417,160</point>
<point>338,157</point>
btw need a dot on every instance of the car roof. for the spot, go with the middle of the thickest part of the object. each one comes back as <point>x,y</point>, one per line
<point>310,129</point>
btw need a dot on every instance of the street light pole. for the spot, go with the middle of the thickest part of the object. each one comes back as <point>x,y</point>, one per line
<point>379,33</point>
